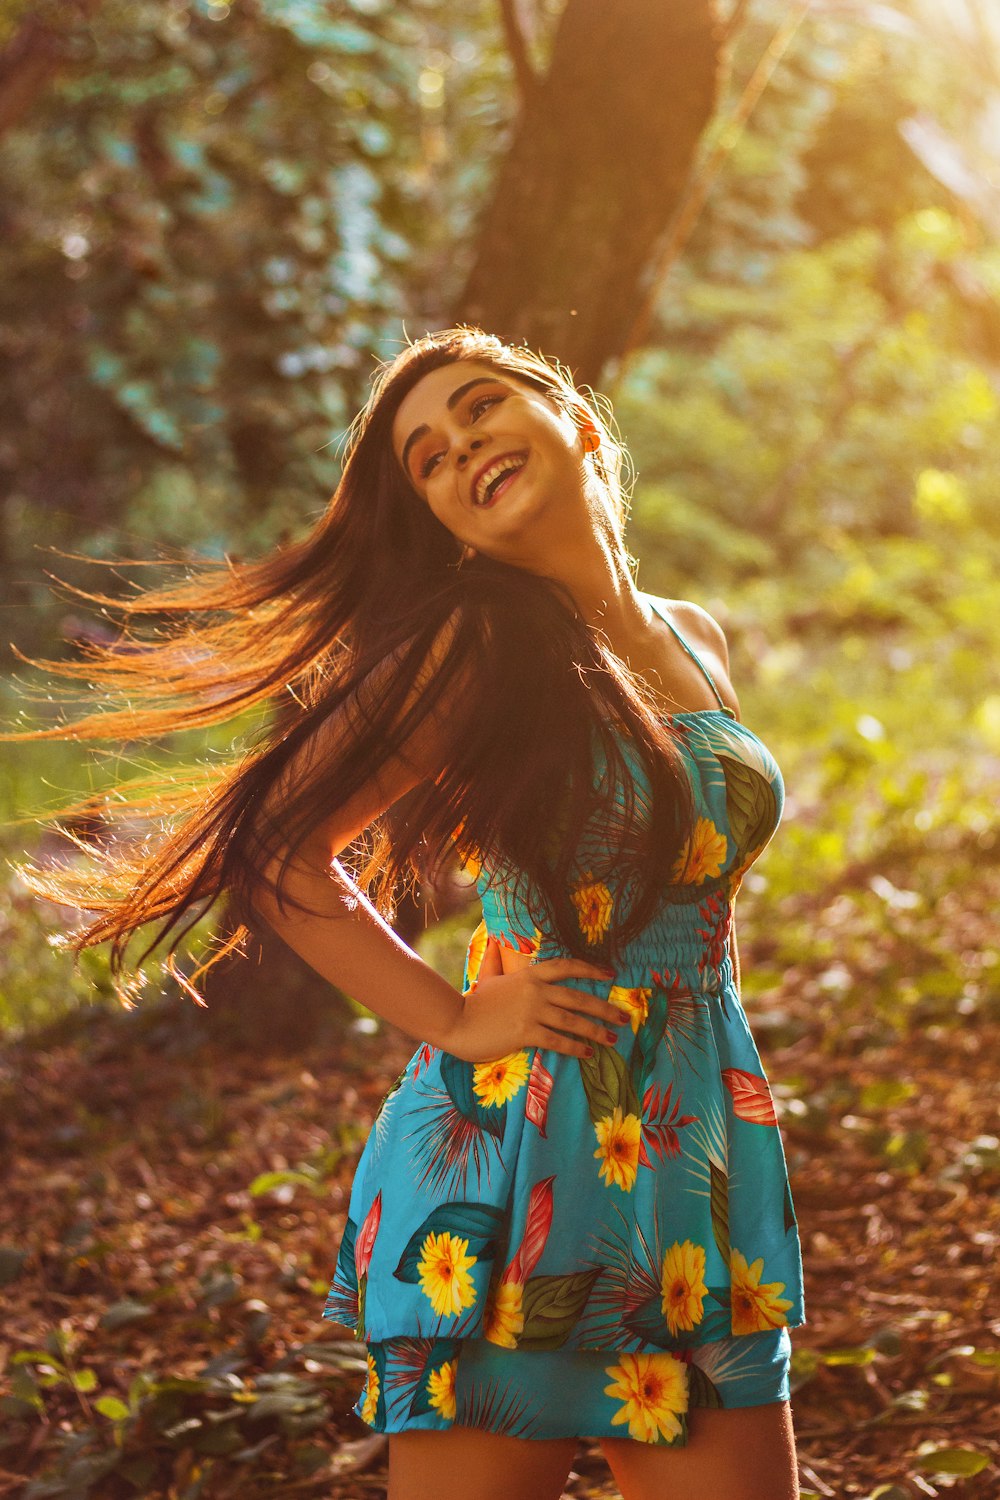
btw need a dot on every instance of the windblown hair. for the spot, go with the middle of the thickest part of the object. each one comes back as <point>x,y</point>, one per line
<point>372,620</point>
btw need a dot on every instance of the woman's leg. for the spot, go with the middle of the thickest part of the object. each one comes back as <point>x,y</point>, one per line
<point>477,1465</point>
<point>745,1453</point>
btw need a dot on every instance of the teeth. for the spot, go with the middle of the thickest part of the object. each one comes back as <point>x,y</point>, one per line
<point>496,471</point>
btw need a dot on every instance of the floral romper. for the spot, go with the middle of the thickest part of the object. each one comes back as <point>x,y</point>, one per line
<point>551,1246</point>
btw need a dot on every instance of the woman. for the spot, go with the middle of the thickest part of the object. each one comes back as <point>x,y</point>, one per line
<point>572,1215</point>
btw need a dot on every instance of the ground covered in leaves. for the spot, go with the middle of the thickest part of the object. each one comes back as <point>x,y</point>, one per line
<point>172,1208</point>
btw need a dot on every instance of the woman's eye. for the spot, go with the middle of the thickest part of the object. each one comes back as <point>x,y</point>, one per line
<point>479,404</point>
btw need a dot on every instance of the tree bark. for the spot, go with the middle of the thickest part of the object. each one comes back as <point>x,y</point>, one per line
<point>599,163</point>
<point>33,56</point>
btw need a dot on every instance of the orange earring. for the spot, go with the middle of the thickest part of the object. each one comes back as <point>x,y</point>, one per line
<point>591,440</point>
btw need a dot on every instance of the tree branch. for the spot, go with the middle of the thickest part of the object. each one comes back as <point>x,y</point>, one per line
<point>517,47</point>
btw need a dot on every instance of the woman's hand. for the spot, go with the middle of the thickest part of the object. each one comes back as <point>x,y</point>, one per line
<point>532,1008</point>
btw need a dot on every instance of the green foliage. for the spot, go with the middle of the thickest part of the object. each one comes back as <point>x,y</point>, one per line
<point>200,1425</point>
<point>215,218</point>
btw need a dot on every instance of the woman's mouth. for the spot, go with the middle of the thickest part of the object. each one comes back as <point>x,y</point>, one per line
<point>497,478</point>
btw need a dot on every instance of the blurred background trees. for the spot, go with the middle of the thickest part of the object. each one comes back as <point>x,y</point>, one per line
<point>215,217</point>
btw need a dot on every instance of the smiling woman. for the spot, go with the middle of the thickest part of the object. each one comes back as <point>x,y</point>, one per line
<point>572,1215</point>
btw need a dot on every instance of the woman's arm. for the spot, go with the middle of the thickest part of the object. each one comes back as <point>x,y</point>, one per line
<point>330,923</point>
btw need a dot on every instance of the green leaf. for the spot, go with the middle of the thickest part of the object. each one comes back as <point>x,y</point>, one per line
<point>751,805</point>
<point>457,1077</point>
<point>552,1304</point>
<point>476,1222</point>
<point>960,1461</point>
<point>719,1205</point>
<point>84,1380</point>
<point>128,1310</point>
<point>112,1408</point>
<point>440,1351</point>
<point>607,1084</point>
<point>862,1354</point>
<point>885,1093</point>
<point>702,1391</point>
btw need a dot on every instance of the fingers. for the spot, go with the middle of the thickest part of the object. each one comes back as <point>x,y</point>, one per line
<point>554,969</point>
<point>590,1005</point>
<point>602,1030</point>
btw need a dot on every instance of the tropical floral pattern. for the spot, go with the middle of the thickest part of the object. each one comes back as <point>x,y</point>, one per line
<point>632,1207</point>
<point>654,1396</point>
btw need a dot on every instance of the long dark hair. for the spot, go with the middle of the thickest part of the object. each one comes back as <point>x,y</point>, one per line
<point>374,617</point>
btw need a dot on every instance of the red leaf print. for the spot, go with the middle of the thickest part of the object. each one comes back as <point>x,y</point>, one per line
<point>751,1096</point>
<point>660,1124</point>
<point>366,1238</point>
<point>519,944</point>
<point>536,1232</point>
<point>424,1057</point>
<point>539,1088</point>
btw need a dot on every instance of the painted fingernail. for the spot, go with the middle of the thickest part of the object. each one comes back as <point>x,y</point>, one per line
<point>612,1036</point>
<point>588,1051</point>
<point>622,1017</point>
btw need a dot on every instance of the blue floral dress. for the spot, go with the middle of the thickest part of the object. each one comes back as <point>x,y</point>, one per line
<point>631,1209</point>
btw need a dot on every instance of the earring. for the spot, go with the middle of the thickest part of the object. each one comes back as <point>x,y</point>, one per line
<point>591,440</point>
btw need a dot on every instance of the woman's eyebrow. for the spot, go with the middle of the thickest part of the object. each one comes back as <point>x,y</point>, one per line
<point>451,403</point>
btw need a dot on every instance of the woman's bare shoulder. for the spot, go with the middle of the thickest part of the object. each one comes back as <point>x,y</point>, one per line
<point>695,622</point>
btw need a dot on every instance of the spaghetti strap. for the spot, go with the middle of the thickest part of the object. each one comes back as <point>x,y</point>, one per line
<point>693,654</point>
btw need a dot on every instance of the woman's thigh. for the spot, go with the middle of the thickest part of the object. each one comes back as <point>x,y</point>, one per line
<point>477,1465</point>
<point>745,1453</point>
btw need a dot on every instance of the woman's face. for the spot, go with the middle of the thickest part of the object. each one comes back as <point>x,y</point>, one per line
<point>495,459</point>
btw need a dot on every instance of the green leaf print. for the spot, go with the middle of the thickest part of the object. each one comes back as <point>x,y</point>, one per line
<point>647,1041</point>
<point>552,1305</point>
<point>398,1084</point>
<point>751,806</point>
<point>647,1322</point>
<point>717,1324</point>
<point>475,1222</point>
<point>346,1255</point>
<point>607,1085</point>
<point>719,1199</point>
<point>701,1391</point>
<point>438,1354</point>
<point>359,1331</point>
<point>457,1077</point>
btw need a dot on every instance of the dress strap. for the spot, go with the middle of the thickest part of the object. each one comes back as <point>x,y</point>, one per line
<point>692,653</point>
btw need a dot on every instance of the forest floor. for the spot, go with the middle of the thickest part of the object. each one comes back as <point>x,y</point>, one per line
<point>172,1208</point>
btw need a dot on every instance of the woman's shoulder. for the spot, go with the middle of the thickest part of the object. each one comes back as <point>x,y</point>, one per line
<point>694,623</point>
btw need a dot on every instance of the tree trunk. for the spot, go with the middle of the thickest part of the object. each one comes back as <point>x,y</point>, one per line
<point>598,166</point>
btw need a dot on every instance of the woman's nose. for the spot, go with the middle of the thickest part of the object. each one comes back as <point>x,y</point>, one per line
<point>468,448</point>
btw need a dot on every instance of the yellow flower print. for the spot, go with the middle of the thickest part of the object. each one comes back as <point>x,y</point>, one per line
<point>618,1139</point>
<point>441,1389</point>
<point>504,1314</point>
<point>755,1308</point>
<point>495,1082</point>
<point>683,1285</point>
<point>443,1268</point>
<point>593,904</point>
<point>655,1392</point>
<point>634,1002</point>
<point>371,1394</point>
<point>704,854</point>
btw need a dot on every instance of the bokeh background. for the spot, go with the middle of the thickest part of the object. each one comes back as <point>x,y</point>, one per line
<point>769,232</point>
